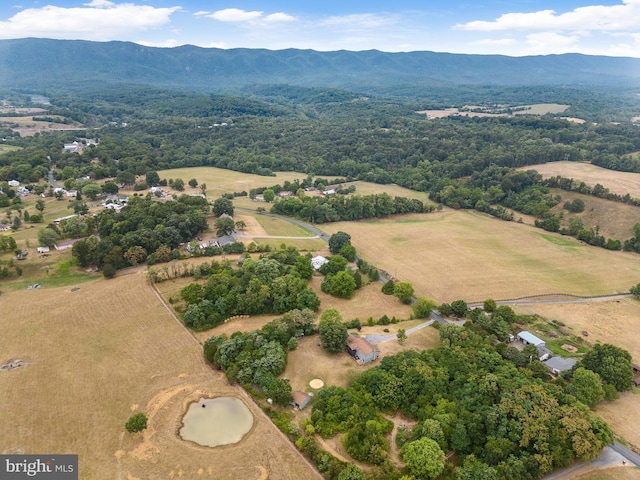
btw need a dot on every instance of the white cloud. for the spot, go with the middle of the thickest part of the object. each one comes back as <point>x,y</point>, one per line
<point>200,13</point>
<point>279,17</point>
<point>595,17</point>
<point>499,42</point>
<point>99,3</point>
<point>361,20</point>
<point>545,43</point>
<point>98,20</point>
<point>235,15</point>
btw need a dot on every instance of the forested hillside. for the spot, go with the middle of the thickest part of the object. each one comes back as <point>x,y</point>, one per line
<point>43,63</point>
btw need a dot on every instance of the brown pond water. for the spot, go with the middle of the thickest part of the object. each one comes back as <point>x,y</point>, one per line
<point>216,421</point>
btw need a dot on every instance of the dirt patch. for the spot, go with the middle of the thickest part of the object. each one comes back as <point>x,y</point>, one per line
<point>569,348</point>
<point>13,364</point>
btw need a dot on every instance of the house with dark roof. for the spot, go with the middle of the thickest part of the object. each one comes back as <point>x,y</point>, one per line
<point>360,349</point>
<point>222,241</point>
<point>557,365</point>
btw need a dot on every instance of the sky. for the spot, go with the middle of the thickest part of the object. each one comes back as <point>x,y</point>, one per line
<point>506,27</point>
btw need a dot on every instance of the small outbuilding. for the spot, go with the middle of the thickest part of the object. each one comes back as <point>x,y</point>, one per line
<point>318,261</point>
<point>557,365</point>
<point>529,338</point>
<point>360,349</point>
<point>300,399</point>
<point>44,249</point>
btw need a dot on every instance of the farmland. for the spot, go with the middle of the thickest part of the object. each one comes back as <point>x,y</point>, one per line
<point>462,254</point>
<point>617,182</point>
<point>100,353</point>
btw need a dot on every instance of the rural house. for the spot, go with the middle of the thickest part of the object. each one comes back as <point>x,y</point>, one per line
<point>4,227</point>
<point>300,399</point>
<point>557,365</point>
<point>222,241</point>
<point>361,350</point>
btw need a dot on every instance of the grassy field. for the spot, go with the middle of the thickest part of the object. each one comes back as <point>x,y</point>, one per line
<point>463,254</point>
<point>617,182</point>
<point>221,181</point>
<point>8,148</point>
<point>613,219</point>
<point>100,353</point>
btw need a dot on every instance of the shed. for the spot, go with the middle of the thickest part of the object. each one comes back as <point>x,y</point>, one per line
<point>13,183</point>
<point>318,261</point>
<point>360,349</point>
<point>557,365</point>
<point>543,353</point>
<point>300,399</point>
<point>529,338</point>
<point>44,249</point>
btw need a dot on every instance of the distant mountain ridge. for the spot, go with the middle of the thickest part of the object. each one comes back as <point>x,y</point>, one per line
<point>42,63</point>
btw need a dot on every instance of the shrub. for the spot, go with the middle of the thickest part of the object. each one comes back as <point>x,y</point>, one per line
<point>136,423</point>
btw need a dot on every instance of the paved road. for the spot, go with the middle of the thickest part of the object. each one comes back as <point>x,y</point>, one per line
<point>52,180</point>
<point>611,456</point>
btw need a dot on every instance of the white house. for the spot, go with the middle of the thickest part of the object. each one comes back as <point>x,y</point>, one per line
<point>43,249</point>
<point>13,183</point>
<point>318,261</point>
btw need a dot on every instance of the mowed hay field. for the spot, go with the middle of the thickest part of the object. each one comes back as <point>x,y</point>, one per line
<point>100,353</point>
<point>616,182</point>
<point>221,181</point>
<point>462,254</point>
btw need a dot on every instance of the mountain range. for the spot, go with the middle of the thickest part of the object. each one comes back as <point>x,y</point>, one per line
<point>44,63</point>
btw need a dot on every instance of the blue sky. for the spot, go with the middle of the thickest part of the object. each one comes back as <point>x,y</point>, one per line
<point>516,27</point>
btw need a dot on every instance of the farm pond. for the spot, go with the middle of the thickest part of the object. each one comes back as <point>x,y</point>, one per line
<point>212,422</point>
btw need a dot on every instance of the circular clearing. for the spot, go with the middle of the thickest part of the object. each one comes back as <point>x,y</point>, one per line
<point>316,383</point>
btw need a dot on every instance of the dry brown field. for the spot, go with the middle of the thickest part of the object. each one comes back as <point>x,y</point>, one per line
<point>622,416</point>
<point>606,322</point>
<point>612,219</point>
<point>615,473</point>
<point>221,181</point>
<point>535,109</point>
<point>103,352</point>
<point>617,182</point>
<point>310,360</point>
<point>463,254</point>
<point>28,127</point>
<point>368,301</point>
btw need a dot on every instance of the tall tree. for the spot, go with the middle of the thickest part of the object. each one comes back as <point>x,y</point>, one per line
<point>338,240</point>
<point>424,458</point>
<point>333,334</point>
<point>221,206</point>
<point>612,363</point>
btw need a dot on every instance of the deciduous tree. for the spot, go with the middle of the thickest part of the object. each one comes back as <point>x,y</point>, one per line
<point>136,423</point>
<point>338,240</point>
<point>333,334</point>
